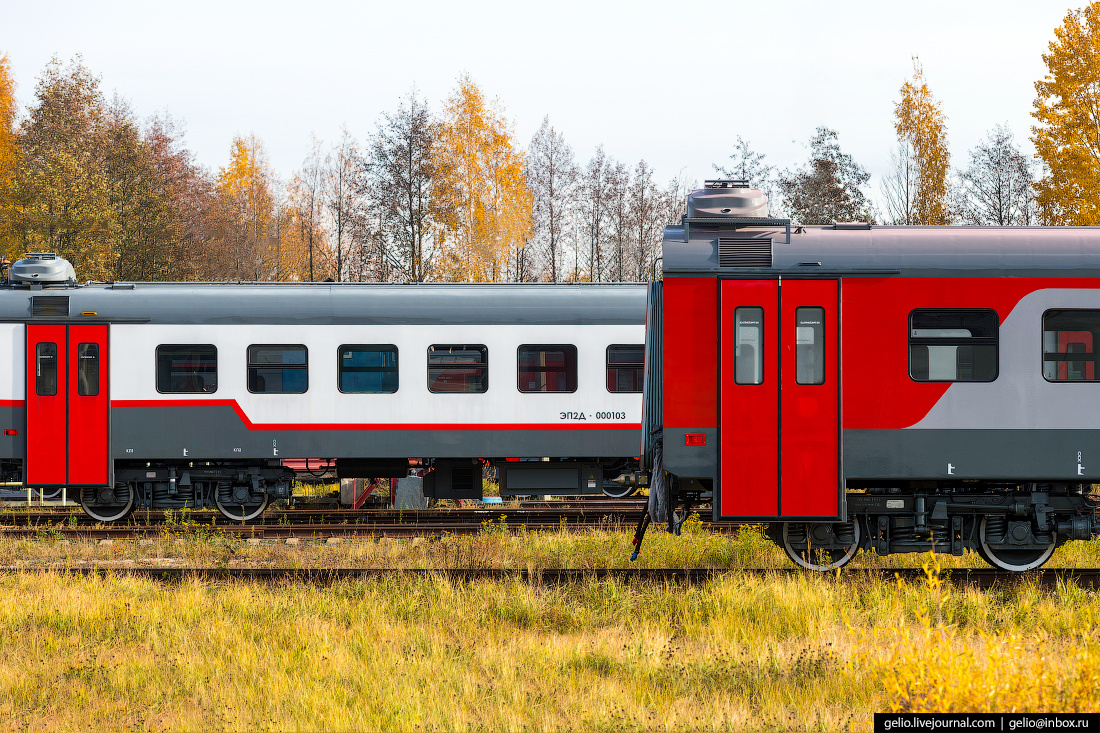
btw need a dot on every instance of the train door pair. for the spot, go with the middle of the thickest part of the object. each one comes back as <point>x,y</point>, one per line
<point>68,408</point>
<point>780,399</point>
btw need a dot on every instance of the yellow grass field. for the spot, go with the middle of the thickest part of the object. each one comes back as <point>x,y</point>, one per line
<point>773,651</point>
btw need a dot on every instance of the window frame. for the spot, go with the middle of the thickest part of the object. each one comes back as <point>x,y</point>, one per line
<point>396,370</point>
<point>953,341</point>
<point>38,354</point>
<point>80,369</point>
<point>608,367</point>
<point>545,370</point>
<point>762,350</point>
<point>483,364</point>
<point>1043,352</point>
<point>156,364</point>
<point>822,347</point>
<point>249,366</point>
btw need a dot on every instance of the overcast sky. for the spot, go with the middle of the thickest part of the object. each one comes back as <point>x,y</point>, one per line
<point>673,83</point>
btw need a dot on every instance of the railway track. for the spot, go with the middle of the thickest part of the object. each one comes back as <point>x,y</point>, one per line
<point>313,523</point>
<point>1087,578</point>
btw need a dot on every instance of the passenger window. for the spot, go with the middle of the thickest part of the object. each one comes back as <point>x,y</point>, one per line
<point>748,359</point>
<point>278,369</point>
<point>87,370</point>
<point>1069,345</point>
<point>809,353</point>
<point>458,368</point>
<point>547,368</point>
<point>187,368</point>
<point>46,369</point>
<point>953,345</point>
<point>625,367</point>
<point>368,368</point>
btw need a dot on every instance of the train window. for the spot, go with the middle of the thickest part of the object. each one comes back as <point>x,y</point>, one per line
<point>46,369</point>
<point>458,368</point>
<point>278,369</point>
<point>1070,338</point>
<point>625,367</point>
<point>87,370</point>
<point>368,368</point>
<point>953,345</point>
<point>187,368</point>
<point>547,368</point>
<point>748,359</point>
<point>809,352</point>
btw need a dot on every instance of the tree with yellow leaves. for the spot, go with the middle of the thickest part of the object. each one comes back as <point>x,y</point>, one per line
<point>482,193</point>
<point>916,191</point>
<point>1067,136</point>
<point>8,159</point>
<point>248,219</point>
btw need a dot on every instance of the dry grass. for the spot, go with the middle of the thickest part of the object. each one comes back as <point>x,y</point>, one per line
<point>768,651</point>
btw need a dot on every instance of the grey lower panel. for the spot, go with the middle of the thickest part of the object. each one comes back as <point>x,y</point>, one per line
<point>217,432</point>
<point>13,418</point>
<point>690,460</point>
<point>1057,455</point>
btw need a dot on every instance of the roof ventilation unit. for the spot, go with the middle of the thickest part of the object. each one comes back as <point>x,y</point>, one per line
<point>721,198</point>
<point>45,268</point>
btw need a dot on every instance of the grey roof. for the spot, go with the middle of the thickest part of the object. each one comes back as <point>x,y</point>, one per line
<point>913,250</point>
<point>341,303</point>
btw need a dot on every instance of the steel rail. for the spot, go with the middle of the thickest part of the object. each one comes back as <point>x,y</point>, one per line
<point>313,531</point>
<point>1088,578</point>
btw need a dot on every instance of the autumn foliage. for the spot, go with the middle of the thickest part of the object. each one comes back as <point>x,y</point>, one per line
<point>1066,134</point>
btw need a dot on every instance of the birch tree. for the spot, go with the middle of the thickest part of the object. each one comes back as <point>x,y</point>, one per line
<point>552,176</point>
<point>996,189</point>
<point>921,129</point>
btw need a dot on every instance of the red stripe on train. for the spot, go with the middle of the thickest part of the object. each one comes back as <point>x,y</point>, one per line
<point>564,425</point>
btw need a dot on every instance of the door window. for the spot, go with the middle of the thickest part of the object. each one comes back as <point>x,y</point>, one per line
<point>46,376</point>
<point>87,370</point>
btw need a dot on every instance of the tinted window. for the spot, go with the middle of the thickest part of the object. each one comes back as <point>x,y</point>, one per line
<point>625,366</point>
<point>366,368</point>
<point>278,369</point>
<point>458,368</point>
<point>547,368</point>
<point>809,339</point>
<point>46,369</point>
<point>953,345</point>
<point>187,368</point>
<point>748,359</point>
<point>87,370</point>
<point>1069,345</point>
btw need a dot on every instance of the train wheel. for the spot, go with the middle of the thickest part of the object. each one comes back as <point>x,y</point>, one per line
<point>799,542</point>
<point>619,492</point>
<point>239,503</point>
<point>107,504</point>
<point>1013,560</point>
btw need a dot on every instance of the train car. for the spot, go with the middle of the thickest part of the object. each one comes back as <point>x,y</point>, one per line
<point>193,394</point>
<point>900,389</point>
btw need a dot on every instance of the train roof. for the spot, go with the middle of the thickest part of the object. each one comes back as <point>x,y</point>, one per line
<point>327,303</point>
<point>719,246</point>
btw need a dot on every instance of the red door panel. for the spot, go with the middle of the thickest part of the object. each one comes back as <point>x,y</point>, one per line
<point>67,406</point>
<point>88,405</point>
<point>47,419</point>
<point>749,383</point>
<point>810,417</point>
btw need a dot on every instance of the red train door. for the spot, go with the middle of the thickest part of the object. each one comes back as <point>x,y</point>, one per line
<point>67,406</point>
<point>780,399</point>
